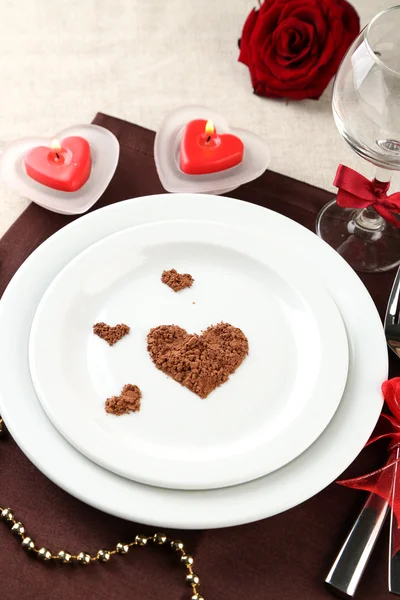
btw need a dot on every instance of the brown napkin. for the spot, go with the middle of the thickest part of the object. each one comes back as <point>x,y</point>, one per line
<point>284,557</point>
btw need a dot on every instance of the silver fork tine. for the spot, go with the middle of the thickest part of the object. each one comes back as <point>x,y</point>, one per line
<point>391,312</point>
<point>392,326</point>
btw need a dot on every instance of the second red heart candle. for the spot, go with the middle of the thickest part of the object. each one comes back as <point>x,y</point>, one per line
<point>203,150</point>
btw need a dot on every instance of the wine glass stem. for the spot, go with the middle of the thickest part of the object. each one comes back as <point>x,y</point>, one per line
<point>383,174</point>
<point>368,217</point>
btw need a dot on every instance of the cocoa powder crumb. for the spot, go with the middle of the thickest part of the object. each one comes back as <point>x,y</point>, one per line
<point>177,281</point>
<point>199,362</point>
<point>128,401</point>
<point>111,334</point>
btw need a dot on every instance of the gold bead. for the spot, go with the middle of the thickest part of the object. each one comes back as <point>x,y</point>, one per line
<point>141,540</point>
<point>187,560</point>
<point>177,545</point>
<point>159,538</point>
<point>103,555</point>
<point>84,558</point>
<point>64,557</point>
<point>7,515</point>
<point>197,597</point>
<point>192,579</point>
<point>44,554</point>
<point>122,548</point>
<point>28,544</point>
<point>18,529</point>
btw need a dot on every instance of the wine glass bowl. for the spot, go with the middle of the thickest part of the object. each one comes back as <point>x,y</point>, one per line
<point>366,109</point>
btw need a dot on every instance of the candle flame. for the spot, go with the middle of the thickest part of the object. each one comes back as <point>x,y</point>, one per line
<point>210,129</point>
<point>55,146</point>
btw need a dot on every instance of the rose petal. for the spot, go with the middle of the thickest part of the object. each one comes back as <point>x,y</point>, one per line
<point>295,54</point>
<point>265,25</point>
<point>316,17</point>
<point>295,41</point>
<point>288,7</point>
<point>283,42</point>
<point>246,35</point>
<point>301,64</point>
<point>262,89</point>
<point>301,31</point>
<point>351,20</point>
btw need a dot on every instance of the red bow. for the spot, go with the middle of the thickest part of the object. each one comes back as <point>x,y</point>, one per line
<point>356,191</point>
<point>380,482</point>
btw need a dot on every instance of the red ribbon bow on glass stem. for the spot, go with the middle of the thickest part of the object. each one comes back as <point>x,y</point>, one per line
<point>356,191</point>
<point>380,482</point>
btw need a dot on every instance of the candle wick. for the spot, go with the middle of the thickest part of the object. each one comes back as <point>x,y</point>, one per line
<point>208,139</point>
<point>58,156</point>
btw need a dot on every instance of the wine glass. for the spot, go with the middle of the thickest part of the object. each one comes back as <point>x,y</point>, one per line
<point>366,108</point>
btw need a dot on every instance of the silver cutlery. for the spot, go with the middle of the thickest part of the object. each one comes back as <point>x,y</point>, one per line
<point>392,332</point>
<point>350,563</point>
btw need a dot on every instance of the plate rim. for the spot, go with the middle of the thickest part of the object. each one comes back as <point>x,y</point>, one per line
<point>241,504</point>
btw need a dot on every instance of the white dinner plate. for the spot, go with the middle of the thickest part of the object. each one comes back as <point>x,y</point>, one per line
<point>277,403</point>
<point>294,483</point>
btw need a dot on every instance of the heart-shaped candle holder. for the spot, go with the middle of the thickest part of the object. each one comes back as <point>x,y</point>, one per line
<point>256,156</point>
<point>104,150</point>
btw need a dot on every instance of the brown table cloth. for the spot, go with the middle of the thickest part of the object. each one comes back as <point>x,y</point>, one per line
<point>285,557</point>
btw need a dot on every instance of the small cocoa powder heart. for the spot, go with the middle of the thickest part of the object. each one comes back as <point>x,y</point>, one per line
<point>177,281</point>
<point>199,362</point>
<point>128,401</point>
<point>111,334</point>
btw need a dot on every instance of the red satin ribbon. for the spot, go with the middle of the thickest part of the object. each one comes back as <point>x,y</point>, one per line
<point>380,482</point>
<point>356,191</point>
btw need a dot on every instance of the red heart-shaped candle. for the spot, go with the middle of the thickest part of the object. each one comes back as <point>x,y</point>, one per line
<point>204,152</point>
<point>65,166</point>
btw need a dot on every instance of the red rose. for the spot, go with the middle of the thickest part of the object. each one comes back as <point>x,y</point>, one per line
<point>294,47</point>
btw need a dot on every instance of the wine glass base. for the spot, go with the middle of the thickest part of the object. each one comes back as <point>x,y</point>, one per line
<point>369,247</point>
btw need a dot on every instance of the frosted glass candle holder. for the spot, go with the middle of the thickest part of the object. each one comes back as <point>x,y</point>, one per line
<point>256,155</point>
<point>104,150</point>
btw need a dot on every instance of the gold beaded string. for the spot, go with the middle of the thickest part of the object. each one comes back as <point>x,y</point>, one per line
<point>102,556</point>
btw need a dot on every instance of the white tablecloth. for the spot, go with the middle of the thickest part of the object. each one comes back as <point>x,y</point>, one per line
<point>61,61</point>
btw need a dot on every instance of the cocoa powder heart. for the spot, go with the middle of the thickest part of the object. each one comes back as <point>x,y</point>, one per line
<point>128,401</point>
<point>177,281</point>
<point>199,362</point>
<point>111,334</point>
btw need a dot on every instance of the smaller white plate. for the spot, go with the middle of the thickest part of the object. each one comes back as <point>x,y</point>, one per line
<point>276,404</point>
